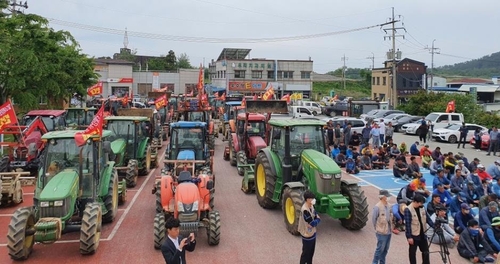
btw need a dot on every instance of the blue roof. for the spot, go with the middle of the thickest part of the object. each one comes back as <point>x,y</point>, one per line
<point>188,124</point>
<point>444,89</point>
<point>233,103</point>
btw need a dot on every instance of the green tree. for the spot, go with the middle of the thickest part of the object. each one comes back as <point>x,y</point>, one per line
<point>37,61</point>
<point>127,54</point>
<point>171,61</point>
<point>157,64</point>
<point>183,62</point>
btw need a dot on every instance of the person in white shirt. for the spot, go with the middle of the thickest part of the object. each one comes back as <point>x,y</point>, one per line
<point>449,234</point>
<point>381,127</point>
<point>460,165</point>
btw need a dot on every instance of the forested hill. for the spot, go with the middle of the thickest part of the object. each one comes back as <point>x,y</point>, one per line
<point>484,67</point>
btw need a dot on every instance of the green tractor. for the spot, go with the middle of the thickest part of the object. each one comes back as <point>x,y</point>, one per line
<point>297,159</point>
<point>79,117</point>
<point>131,147</point>
<point>76,191</point>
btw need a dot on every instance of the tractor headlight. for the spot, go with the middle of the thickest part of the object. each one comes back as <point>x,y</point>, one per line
<point>337,176</point>
<point>58,203</point>
<point>44,204</point>
<point>180,207</point>
<point>195,206</point>
<point>326,176</point>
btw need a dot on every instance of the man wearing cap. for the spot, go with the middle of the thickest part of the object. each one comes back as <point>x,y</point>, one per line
<point>460,166</point>
<point>415,219</point>
<point>460,220</point>
<point>456,202</point>
<point>435,201</point>
<point>487,214</point>
<point>493,234</point>
<point>308,221</point>
<point>406,194</point>
<point>473,246</point>
<point>473,165</point>
<point>382,223</point>
<point>449,235</point>
<point>441,179</point>
<point>421,187</point>
<point>493,170</point>
<point>458,181</point>
<point>474,178</point>
<point>472,194</point>
<point>481,172</point>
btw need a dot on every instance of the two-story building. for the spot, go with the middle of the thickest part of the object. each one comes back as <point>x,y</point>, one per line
<point>236,72</point>
<point>410,78</point>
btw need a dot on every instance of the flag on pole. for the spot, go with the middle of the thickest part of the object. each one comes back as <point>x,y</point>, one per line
<point>7,115</point>
<point>95,128</point>
<point>200,80</point>
<point>161,102</point>
<point>94,90</point>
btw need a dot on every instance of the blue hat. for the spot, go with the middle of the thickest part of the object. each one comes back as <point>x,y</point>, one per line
<point>422,180</point>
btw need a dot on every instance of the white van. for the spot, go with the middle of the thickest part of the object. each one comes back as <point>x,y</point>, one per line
<point>300,112</point>
<point>313,107</point>
<point>441,119</point>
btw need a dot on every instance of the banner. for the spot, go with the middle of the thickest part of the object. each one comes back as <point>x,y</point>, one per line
<point>96,89</point>
<point>268,95</point>
<point>286,98</point>
<point>95,128</point>
<point>161,102</point>
<point>200,80</point>
<point>156,80</point>
<point>244,102</point>
<point>7,115</point>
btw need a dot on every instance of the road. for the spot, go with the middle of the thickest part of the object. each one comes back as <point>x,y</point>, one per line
<point>250,234</point>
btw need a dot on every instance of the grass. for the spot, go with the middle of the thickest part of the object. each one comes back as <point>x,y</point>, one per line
<point>355,89</point>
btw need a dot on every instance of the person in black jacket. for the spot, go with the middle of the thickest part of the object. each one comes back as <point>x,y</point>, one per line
<point>464,130</point>
<point>175,246</point>
<point>473,246</point>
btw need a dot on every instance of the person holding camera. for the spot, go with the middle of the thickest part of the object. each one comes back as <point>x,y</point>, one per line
<point>175,245</point>
<point>415,219</point>
<point>441,224</point>
<point>473,246</point>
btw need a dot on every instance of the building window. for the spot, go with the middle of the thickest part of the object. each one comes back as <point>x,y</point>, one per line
<point>384,80</point>
<point>378,80</point>
<point>404,82</point>
<point>256,74</point>
<point>288,75</point>
<point>239,74</point>
<point>43,100</point>
<point>280,75</point>
<point>381,97</point>
<point>270,75</point>
<point>305,75</point>
<point>373,80</point>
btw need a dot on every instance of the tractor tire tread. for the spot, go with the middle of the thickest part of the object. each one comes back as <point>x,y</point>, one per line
<point>159,230</point>
<point>359,207</point>
<point>90,228</point>
<point>213,228</point>
<point>108,199</point>
<point>266,201</point>
<point>295,195</point>
<point>241,158</point>
<point>16,234</point>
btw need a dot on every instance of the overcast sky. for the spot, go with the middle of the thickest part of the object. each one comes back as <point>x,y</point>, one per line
<point>463,29</point>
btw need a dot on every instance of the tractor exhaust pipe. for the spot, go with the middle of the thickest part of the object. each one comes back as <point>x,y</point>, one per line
<point>287,160</point>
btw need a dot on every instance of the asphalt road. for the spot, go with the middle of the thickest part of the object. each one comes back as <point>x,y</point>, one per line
<point>250,234</point>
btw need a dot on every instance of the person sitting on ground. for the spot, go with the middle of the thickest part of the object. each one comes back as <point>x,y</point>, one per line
<point>414,149</point>
<point>383,156</point>
<point>403,148</point>
<point>458,182</point>
<point>421,188</point>
<point>355,139</point>
<point>342,147</point>
<point>474,178</point>
<point>471,194</point>
<point>367,150</point>
<point>481,172</point>
<point>495,187</point>
<point>413,169</point>
<point>402,156</point>
<point>355,154</point>
<point>377,162</point>
<point>487,214</point>
<point>399,169</point>
<point>425,150</point>
<point>494,169</point>
<point>398,217</point>
<point>473,246</point>
<point>456,201</point>
<point>485,188</point>
<point>426,161</point>
<point>473,165</point>
<point>485,200</point>
<point>366,162</point>
<point>406,194</point>
<point>464,159</point>
<point>435,201</point>
<point>349,152</point>
<point>449,234</point>
<point>350,166</point>
<point>335,151</point>
<point>444,195</point>
<point>461,166</point>
<point>435,165</point>
<point>341,159</point>
<point>450,163</point>
<point>461,218</point>
<point>394,152</point>
<point>440,179</point>
<point>493,234</point>
<point>436,154</point>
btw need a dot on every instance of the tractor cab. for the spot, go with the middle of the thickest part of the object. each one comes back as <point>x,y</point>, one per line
<point>255,125</point>
<point>53,119</point>
<point>79,118</point>
<point>187,141</point>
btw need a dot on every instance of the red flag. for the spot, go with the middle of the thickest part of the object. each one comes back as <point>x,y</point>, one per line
<point>95,128</point>
<point>161,102</point>
<point>450,108</point>
<point>200,80</point>
<point>190,94</point>
<point>286,98</point>
<point>268,95</point>
<point>244,102</point>
<point>255,97</point>
<point>7,115</point>
<point>125,100</point>
<point>96,89</point>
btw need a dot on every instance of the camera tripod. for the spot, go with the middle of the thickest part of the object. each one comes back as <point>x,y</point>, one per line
<point>443,246</point>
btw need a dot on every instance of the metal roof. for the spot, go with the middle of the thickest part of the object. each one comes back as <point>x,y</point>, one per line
<point>46,112</point>
<point>71,134</point>
<point>481,88</point>
<point>233,54</point>
<point>127,118</point>
<point>188,124</point>
<point>296,122</point>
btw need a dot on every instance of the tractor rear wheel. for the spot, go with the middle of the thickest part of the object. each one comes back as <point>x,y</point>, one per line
<point>159,230</point>
<point>241,160</point>
<point>159,206</point>
<point>131,176</point>
<point>264,182</point>
<point>212,198</point>
<point>232,152</point>
<point>90,232</point>
<point>358,208</point>
<point>213,231</point>
<point>19,243</point>
<point>5,164</point>
<point>211,142</point>
<point>111,199</point>
<point>146,162</point>
<point>292,203</point>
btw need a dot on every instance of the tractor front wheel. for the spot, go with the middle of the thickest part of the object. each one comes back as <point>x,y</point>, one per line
<point>358,208</point>
<point>213,232</point>
<point>292,203</point>
<point>159,230</point>
<point>211,142</point>
<point>19,243</point>
<point>111,199</point>
<point>132,171</point>
<point>146,162</point>
<point>159,206</point>
<point>241,160</point>
<point>265,181</point>
<point>90,232</point>
<point>232,152</point>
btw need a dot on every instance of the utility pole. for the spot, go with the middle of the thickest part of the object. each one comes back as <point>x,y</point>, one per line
<point>432,50</point>
<point>373,60</point>
<point>344,69</point>
<point>15,7</point>
<point>393,90</point>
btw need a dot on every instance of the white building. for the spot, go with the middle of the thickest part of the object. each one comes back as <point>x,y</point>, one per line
<point>437,82</point>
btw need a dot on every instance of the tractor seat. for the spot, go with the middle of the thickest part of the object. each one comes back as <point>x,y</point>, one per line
<point>184,176</point>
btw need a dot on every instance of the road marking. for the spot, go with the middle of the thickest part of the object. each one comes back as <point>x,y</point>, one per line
<point>6,215</point>
<point>369,183</point>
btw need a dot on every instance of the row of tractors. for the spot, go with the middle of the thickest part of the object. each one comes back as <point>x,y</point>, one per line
<point>281,158</point>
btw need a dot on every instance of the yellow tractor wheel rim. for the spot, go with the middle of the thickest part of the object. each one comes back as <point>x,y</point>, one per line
<point>289,211</point>
<point>261,180</point>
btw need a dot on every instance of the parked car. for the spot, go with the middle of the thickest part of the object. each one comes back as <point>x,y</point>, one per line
<point>391,118</point>
<point>138,105</point>
<point>370,113</point>
<point>381,114</point>
<point>485,141</point>
<point>438,120</point>
<point>357,124</point>
<point>403,121</point>
<point>411,128</point>
<point>451,133</point>
<point>314,107</point>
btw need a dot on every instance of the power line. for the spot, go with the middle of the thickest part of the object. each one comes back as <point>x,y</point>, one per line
<point>204,39</point>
